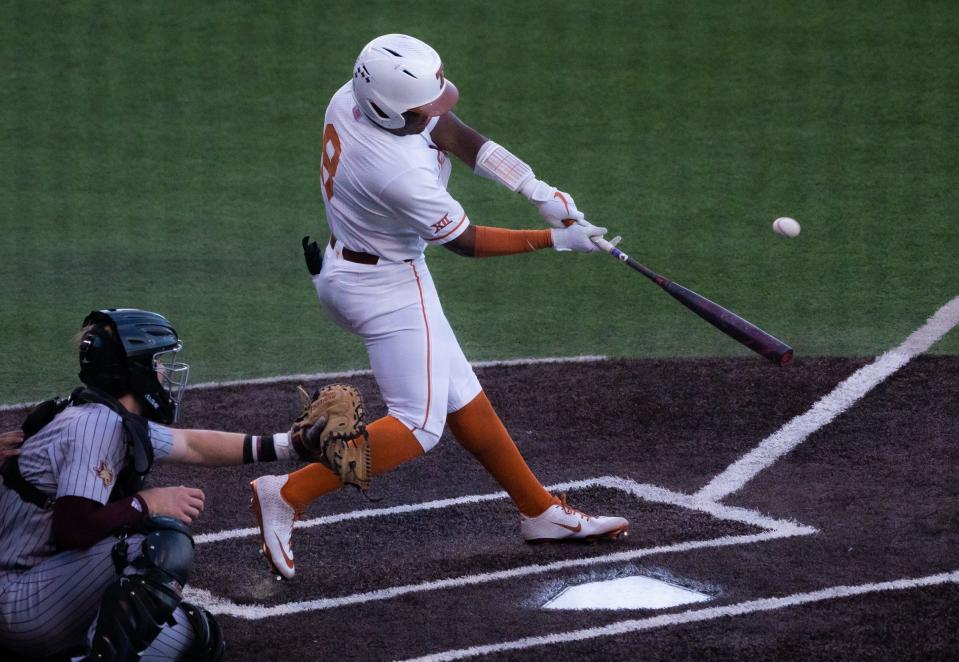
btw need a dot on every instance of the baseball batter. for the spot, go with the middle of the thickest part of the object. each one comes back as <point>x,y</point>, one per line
<point>92,563</point>
<point>385,167</point>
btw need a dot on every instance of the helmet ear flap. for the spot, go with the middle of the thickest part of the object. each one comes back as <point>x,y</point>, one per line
<point>102,359</point>
<point>374,106</point>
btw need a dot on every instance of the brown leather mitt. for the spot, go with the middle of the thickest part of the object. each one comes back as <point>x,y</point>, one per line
<point>331,431</point>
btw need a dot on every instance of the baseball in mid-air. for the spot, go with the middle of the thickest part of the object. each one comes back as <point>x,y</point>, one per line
<point>787,227</point>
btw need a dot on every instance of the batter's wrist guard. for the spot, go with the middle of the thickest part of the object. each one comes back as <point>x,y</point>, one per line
<point>537,191</point>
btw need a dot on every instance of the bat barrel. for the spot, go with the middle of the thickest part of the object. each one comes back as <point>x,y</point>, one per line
<point>733,325</point>
<point>725,320</point>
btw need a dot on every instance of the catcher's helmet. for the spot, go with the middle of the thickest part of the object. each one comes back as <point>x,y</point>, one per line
<point>125,350</point>
<point>396,73</point>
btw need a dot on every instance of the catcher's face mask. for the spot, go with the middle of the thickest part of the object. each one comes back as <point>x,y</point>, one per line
<point>172,376</point>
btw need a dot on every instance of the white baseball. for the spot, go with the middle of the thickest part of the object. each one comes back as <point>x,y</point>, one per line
<point>787,227</point>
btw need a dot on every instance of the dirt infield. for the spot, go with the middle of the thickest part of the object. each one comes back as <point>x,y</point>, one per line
<point>872,497</point>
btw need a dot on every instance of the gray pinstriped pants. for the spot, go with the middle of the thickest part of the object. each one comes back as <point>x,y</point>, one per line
<point>53,606</point>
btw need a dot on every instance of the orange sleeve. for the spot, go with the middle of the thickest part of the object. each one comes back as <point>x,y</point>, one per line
<point>491,242</point>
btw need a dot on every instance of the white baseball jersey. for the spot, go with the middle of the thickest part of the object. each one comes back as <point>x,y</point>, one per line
<point>79,453</point>
<point>386,195</point>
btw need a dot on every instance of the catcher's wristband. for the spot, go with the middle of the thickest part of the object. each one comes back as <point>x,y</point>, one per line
<point>266,448</point>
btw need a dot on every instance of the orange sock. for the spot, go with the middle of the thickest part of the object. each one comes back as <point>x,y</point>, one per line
<point>478,429</point>
<point>391,444</point>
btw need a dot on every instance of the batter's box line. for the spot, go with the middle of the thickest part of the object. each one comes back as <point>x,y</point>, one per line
<point>774,529</point>
<point>641,490</point>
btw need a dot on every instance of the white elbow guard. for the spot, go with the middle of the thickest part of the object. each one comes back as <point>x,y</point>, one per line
<point>499,164</point>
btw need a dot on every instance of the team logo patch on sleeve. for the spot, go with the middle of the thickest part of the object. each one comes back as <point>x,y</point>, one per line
<point>104,473</point>
<point>442,223</point>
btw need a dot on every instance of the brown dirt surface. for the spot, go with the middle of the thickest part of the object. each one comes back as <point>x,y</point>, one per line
<point>880,484</point>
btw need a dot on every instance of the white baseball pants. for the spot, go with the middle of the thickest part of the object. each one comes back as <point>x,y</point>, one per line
<point>418,364</point>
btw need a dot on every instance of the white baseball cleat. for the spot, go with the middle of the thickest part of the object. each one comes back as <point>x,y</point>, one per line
<point>275,517</point>
<point>563,523</point>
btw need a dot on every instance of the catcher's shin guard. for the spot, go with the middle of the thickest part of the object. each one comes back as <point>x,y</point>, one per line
<point>208,643</point>
<point>135,608</point>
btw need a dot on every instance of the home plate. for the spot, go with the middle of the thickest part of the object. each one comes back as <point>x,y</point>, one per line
<point>625,593</point>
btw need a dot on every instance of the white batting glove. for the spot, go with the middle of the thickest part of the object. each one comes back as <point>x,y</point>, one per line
<point>578,238</point>
<point>554,206</point>
<point>495,162</point>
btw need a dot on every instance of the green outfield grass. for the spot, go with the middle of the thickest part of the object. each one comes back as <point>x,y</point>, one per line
<point>165,155</point>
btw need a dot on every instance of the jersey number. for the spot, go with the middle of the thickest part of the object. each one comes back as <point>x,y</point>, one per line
<point>331,159</point>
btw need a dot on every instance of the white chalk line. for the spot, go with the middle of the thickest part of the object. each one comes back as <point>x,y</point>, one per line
<point>693,616</point>
<point>217,605</point>
<point>229,534</point>
<point>643,491</point>
<point>658,494</point>
<point>775,529</point>
<point>824,411</point>
<point>346,374</point>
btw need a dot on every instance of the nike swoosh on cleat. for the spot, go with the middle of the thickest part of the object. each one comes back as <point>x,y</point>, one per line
<point>287,559</point>
<point>574,529</point>
<point>259,520</point>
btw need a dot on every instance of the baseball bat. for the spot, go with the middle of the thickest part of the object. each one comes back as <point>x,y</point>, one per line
<point>725,320</point>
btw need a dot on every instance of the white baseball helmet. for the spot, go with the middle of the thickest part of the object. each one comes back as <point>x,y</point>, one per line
<point>396,73</point>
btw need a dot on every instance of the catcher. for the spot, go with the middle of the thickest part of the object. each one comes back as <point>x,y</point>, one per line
<point>93,562</point>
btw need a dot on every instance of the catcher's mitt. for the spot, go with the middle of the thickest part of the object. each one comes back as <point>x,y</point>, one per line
<point>331,431</point>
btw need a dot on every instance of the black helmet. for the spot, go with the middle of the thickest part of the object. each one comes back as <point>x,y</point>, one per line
<point>125,350</point>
